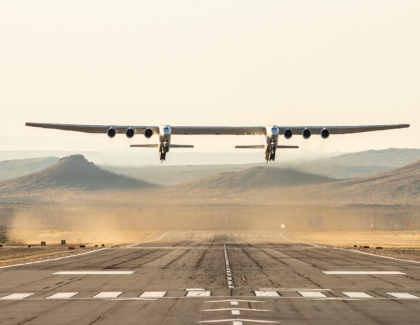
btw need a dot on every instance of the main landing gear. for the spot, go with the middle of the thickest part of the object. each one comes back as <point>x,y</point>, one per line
<point>163,154</point>
<point>163,151</point>
<point>272,152</point>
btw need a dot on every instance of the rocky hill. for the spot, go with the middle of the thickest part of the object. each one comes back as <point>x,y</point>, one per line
<point>73,173</point>
<point>256,177</point>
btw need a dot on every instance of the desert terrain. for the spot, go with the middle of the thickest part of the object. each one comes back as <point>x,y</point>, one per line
<point>75,200</point>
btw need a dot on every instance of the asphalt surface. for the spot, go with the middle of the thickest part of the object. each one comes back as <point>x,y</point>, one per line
<point>215,278</point>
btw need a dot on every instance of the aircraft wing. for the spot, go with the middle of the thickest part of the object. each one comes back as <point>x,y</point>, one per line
<point>91,128</point>
<point>218,130</point>
<point>297,130</point>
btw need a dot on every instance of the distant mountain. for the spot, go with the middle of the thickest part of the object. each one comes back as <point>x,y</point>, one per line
<point>344,166</point>
<point>391,157</point>
<point>401,184</point>
<point>358,164</point>
<point>73,173</point>
<point>173,175</point>
<point>16,168</point>
<point>256,177</point>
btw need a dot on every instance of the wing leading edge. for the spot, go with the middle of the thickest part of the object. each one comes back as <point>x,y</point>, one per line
<point>218,130</point>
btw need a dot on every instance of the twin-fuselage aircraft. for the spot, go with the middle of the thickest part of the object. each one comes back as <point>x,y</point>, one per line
<point>271,133</point>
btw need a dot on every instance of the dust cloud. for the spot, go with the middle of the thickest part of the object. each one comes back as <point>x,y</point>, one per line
<point>134,216</point>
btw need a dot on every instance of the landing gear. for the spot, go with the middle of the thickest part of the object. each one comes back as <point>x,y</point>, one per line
<point>273,152</point>
<point>163,153</point>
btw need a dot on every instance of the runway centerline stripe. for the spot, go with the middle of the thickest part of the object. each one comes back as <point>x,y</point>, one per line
<point>312,294</point>
<point>108,294</point>
<point>17,296</point>
<point>62,295</point>
<point>363,272</point>
<point>357,295</point>
<point>94,272</point>
<point>402,295</point>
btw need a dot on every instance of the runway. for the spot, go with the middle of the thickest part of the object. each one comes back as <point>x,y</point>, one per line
<point>214,278</point>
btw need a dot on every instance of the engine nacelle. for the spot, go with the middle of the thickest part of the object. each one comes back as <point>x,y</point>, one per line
<point>325,133</point>
<point>129,133</point>
<point>288,133</point>
<point>111,132</point>
<point>148,133</point>
<point>306,133</point>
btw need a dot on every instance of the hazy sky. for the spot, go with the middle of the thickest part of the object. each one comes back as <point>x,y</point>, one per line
<point>209,63</point>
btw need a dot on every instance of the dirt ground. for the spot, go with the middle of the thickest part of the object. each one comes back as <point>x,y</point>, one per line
<point>32,251</point>
<point>397,244</point>
<point>389,239</point>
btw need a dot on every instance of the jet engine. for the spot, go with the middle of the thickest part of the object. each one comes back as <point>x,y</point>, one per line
<point>306,133</point>
<point>288,133</point>
<point>325,133</point>
<point>129,133</point>
<point>148,133</point>
<point>111,132</point>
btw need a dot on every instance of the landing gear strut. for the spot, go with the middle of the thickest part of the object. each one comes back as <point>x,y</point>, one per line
<point>273,152</point>
<point>163,153</point>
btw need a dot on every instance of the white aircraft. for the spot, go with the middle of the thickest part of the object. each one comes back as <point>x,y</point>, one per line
<point>271,133</point>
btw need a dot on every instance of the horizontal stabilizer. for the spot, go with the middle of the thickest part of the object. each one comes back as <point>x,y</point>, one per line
<point>181,146</point>
<point>262,147</point>
<point>144,145</point>
<point>288,147</point>
<point>155,146</point>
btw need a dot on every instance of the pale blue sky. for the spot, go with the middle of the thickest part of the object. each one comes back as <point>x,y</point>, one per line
<point>209,63</point>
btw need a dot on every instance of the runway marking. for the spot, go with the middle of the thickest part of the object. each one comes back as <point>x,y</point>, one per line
<point>357,295</point>
<point>231,309</point>
<point>267,294</point>
<point>402,295</point>
<point>234,303</point>
<point>148,241</point>
<point>364,272</point>
<point>317,246</point>
<point>388,257</point>
<point>236,312</point>
<point>286,238</point>
<point>236,300</point>
<point>195,289</point>
<point>62,295</point>
<point>108,294</point>
<point>370,254</point>
<point>237,323</point>
<point>228,272</point>
<point>198,294</point>
<point>17,296</point>
<point>94,272</point>
<point>54,259</point>
<point>153,294</point>
<point>312,294</point>
<point>239,320</point>
<point>292,289</point>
